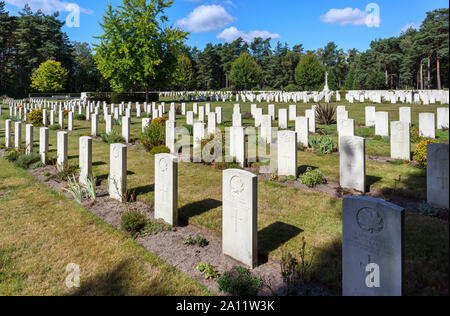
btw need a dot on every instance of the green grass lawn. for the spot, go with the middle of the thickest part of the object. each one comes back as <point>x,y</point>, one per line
<point>42,231</point>
<point>287,214</point>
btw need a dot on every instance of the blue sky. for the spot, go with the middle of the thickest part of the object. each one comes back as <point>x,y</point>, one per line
<point>350,24</point>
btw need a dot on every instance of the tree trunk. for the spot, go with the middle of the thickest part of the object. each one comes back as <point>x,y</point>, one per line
<point>386,76</point>
<point>438,68</point>
<point>429,75</point>
<point>146,94</point>
<point>421,75</point>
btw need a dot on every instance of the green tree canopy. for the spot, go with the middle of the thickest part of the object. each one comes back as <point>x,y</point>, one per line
<point>310,73</point>
<point>137,49</point>
<point>245,72</point>
<point>49,77</point>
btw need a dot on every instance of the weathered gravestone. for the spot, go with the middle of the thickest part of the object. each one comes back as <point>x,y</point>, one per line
<point>239,216</point>
<point>43,144</point>
<point>427,127</point>
<point>370,116</point>
<point>283,118</point>
<point>400,140</point>
<point>8,133</point>
<point>117,181</point>
<point>237,144</point>
<point>352,162</point>
<point>17,134</point>
<point>61,151</point>
<point>85,159</point>
<point>442,118</point>
<point>382,124</point>
<point>94,125</point>
<point>405,114</point>
<point>287,153</point>
<point>29,138</point>
<point>437,175</point>
<point>302,130</point>
<point>373,247</point>
<point>166,188</point>
<point>126,122</point>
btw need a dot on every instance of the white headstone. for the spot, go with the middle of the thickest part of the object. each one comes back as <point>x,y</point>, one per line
<point>437,175</point>
<point>117,182</point>
<point>43,144</point>
<point>352,163</point>
<point>427,127</point>
<point>166,188</point>
<point>287,153</point>
<point>8,133</point>
<point>239,216</point>
<point>17,134</point>
<point>442,118</point>
<point>85,159</point>
<point>400,140</point>
<point>29,139</point>
<point>370,116</point>
<point>382,124</point>
<point>62,148</point>
<point>373,247</point>
<point>302,130</point>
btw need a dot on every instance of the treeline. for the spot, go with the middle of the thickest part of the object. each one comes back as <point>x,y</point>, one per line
<point>416,59</point>
<point>32,38</point>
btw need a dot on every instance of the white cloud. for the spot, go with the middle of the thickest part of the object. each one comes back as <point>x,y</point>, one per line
<point>232,33</point>
<point>408,26</point>
<point>206,18</point>
<point>46,6</point>
<point>345,16</point>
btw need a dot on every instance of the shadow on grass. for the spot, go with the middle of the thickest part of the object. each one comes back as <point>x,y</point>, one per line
<point>143,190</point>
<point>274,236</point>
<point>98,163</point>
<point>196,208</point>
<point>119,282</point>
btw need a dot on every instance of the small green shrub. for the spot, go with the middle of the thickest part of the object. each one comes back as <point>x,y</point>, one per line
<point>66,172</point>
<point>196,241</point>
<point>324,144</point>
<point>160,150</point>
<point>156,226</point>
<point>325,114</point>
<point>428,210</point>
<point>311,177</point>
<point>420,155</point>
<point>112,137</point>
<point>25,161</point>
<point>208,270</point>
<point>80,117</point>
<point>75,189</point>
<point>239,282</point>
<point>46,174</point>
<point>35,117</point>
<point>133,222</point>
<point>12,154</point>
<point>153,136</point>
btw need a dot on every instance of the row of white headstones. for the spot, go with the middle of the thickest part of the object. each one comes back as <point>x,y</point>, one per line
<point>284,156</point>
<point>372,233</point>
<point>375,96</point>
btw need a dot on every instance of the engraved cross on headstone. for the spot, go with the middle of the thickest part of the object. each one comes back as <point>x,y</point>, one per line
<point>236,218</point>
